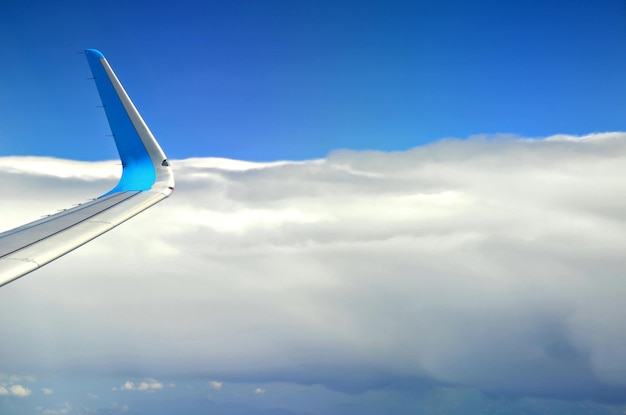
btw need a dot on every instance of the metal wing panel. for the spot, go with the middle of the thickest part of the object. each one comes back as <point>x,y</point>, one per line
<point>146,179</point>
<point>32,232</point>
<point>62,233</point>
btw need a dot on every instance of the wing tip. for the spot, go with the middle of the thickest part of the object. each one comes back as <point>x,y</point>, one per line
<point>145,164</point>
<point>95,52</point>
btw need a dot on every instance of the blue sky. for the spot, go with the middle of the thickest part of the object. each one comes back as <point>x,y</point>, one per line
<point>444,233</point>
<point>269,80</point>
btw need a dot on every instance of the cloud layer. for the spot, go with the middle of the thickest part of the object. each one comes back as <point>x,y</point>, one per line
<point>493,262</point>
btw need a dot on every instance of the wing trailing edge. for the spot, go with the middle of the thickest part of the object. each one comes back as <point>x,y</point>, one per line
<point>147,178</point>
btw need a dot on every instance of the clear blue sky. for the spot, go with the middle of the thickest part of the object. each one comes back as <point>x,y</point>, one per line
<point>267,80</point>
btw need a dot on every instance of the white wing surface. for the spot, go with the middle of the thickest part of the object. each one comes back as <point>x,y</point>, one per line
<point>146,179</point>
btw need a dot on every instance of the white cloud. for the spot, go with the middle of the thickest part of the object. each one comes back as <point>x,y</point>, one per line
<point>47,391</point>
<point>64,409</point>
<point>128,386</point>
<point>20,391</point>
<point>149,385</point>
<point>459,263</point>
<point>47,166</point>
<point>8,379</point>
<point>259,391</point>
<point>216,385</point>
<point>15,390</point>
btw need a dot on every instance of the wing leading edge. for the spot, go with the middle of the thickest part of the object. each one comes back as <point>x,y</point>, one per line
<point>146,179</point>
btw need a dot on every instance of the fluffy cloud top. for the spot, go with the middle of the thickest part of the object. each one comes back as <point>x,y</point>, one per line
<point>495,263</point>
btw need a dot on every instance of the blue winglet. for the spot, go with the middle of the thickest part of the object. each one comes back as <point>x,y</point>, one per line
<point>140,154</point>
<point>147,179</point>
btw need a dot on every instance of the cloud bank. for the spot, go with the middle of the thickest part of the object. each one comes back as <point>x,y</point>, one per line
<point>494,262</point>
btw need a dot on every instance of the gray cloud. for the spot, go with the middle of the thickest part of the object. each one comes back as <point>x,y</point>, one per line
<point>494,262</point>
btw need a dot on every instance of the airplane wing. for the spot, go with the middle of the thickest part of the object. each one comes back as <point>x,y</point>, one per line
<point>146,179</point>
